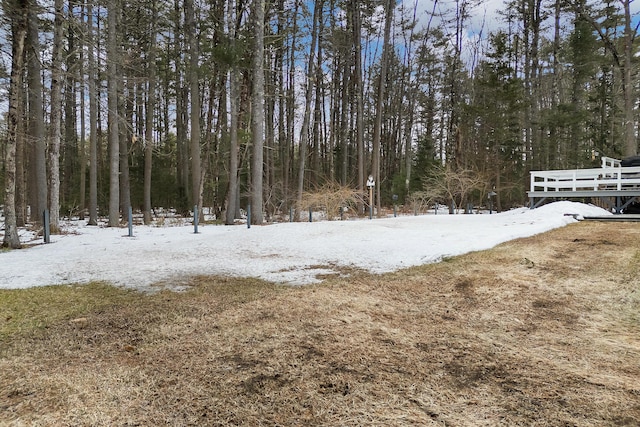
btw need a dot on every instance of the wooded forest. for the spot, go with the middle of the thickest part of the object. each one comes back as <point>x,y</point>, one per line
<point>114,104</point>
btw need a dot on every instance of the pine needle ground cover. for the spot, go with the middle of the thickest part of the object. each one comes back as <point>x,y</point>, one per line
<point>539,331</point>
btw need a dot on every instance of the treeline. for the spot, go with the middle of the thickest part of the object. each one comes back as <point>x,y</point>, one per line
<point>225,103</point>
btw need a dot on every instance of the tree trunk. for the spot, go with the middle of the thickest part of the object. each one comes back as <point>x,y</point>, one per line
<point>543,158</point>
<point>70,149</point>
<point>182,155</point>
<point>83,135</point>
<point>182,95</point>
<point>93,121</point>
<point>234,94</point>
<point>19,32</point>
<point>233,150</point>
<point>149,110</point>
<point>257,115</point>
<point>194,88</point>
<point>56,115</point>
<point>283,27</point>
<point>304,131</point>
<point>125,125</point>
<point>377,127</point>
<point>536,80</point>
<point>21,182</point>
<point>359,92</point>
<point>269,136</point>
<point>343,124</point>
<point>112,88</point>
<point>36,119</point>
<point>291,102</point>
<point>315,167</point>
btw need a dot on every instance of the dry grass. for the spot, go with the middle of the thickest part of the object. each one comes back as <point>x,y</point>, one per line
<point>542,331</point>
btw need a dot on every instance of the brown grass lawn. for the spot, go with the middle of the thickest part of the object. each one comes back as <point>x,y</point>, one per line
<point>543,331</point>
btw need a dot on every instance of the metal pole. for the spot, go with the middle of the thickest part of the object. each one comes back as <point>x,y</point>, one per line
<point>249,215</point>
<point>290,213</point>
<point>130,219</point>
<point>45,223</point>
<point>370,202</point>
<point>195,219</point>
<point>310,215</point>
<point>490,195</point>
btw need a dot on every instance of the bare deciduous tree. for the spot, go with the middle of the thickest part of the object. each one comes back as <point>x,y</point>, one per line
<point>453,187</point>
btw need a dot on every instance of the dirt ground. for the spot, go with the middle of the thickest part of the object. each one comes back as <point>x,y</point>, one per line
<point>542,331</point>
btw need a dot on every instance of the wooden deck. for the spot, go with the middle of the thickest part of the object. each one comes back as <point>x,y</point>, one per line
<point>614,218</point>
<point>615,186</point>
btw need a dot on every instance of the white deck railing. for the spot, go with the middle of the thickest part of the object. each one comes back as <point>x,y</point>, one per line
<point>610,176</point>
<point>608,162</point>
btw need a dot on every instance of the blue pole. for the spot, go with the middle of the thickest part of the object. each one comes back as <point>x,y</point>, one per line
<point>130,219</point>
<point>195,219</point>
<point>249,216</point>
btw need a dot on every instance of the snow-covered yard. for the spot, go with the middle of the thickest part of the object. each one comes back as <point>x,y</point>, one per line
<point>291,253</point>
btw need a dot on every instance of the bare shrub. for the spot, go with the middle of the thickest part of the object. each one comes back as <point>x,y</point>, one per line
<point>331,196</point>
<point>274,200</point>
<point>422,200</point>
